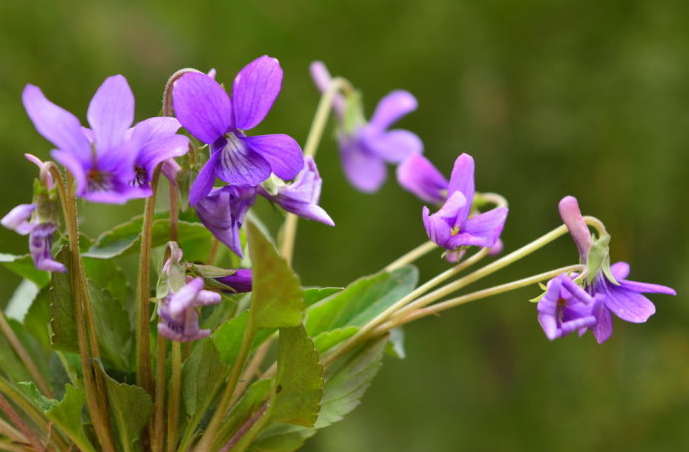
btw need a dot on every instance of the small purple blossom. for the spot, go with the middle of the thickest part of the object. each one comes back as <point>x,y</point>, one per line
<point>565,308</point>
<point>240,281</point>
<point>223,212</point>
<point>452,227</point>
<point>209,114</point>
<point>365,147</point>
<point>301,195</point>
<point>622,297</point>
<point>40,235</point>
<point>177,311</point>
<point>110,162</point>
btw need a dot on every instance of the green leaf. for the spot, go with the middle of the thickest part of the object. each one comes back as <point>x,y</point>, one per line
<point>299,382</point>
<point>131,407</point>
<point>62,323</point>
<point>24,267</point>
<point>329,339</point>
<point>277,299</point>
<point>202,375</point>
<point>313,295</point>
<point>21,299</point>
<point>113,327</point>
<point>37,318</point>
<point>282,438</point>
<point>126,238</point>
<point>31,391</point>
<point>228,337</point>
<point>361,301</point>
<point>109,276</point>
<point>347,379</point>
<point>67,414</point>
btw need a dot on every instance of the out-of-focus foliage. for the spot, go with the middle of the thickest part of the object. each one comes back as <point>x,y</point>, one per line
<point>587,98</point>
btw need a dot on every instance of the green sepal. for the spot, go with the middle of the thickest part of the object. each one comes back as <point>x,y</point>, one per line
<point>538,298</point>
<point>598,260</point>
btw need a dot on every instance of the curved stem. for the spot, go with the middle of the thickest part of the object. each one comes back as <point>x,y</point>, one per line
<point>451,303</point>
<point>597,224</point>
<point>175,392</point>
<point>24,356</point>
<point>167,93</point>
<point>289,230</point>
<point>411,256</point>
<point>364,332</point>
<point>143,351</point>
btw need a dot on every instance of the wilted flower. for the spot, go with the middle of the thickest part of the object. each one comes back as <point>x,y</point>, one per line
<point>301,195</point>
<point>110,162</point>
<point>617,294</point>
<point>452,226</point>
<point>223,212</point>
<point>208,113</point>
<point>565,308</point>
<point>367,145</point>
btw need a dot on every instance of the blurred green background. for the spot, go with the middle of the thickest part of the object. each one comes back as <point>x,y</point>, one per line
<point>552,97</point>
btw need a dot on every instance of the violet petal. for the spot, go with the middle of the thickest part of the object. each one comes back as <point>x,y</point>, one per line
<point>282,152</point>
<point>202,106</point>
<point>394,146</point>
<point>418,175</point>
<point>392,107</point>
<point>254,91</point>
<point>111,112</point>
<point>462,180</point>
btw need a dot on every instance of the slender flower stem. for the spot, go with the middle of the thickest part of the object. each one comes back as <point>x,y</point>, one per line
<point>411,256</point>
<point>174,211</point>
<point>289,230</point>
<point>597,224</point>
<point>507,287</point>
<point>12,433</point>
<point>209,436</point>
<point>96,400</point>
<point>167,94</point>
<point>212,254</point>
<point>250,427</point>
<point>363,333</point>
<point>24,355</point>
<point>175,393</point>
<point>143,351</point>
<point>16,419</point>
<point>158,430</point>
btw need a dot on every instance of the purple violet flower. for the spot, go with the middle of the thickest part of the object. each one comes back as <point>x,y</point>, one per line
<point>565,308</point>
<point>40,233</point>
<point>240,281</point>
<point>622,297</point>
<point>301,195</point>
<point>209,114</point>
<point>110,162</point>
<point>177,311</point>
<point>365,147</point>
<point>223,212</point>
<point>452,227</point>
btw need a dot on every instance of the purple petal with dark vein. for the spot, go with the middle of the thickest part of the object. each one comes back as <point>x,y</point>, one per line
<point>646,287</point>
<point>75,166</point>
<point>202,106</point>
<point>392,107</point>
<point>56,124</point>
<point>364,171</point>
<point>203,183</point>
<point>282,152</point>
<point>418,175</point>
<point>628,305</point>
<point>111,113</point>
<point>254,91</point>
<point>240,165</point>
<point>240,281</point>
<point>462,180</point>
<point>482,230</point>
<point>153,129</point>
<point>393,146</point>
<point>158,150</point>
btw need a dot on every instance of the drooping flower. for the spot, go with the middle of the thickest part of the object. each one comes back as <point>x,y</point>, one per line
<point>418,175</point>
<point>110,162</point>
<point>177,311</point>
<point>209,114</point>
<point>223,212</point>
<point>565,308</point>
<point>366,146</point>
<point>301,195</point>
<point>617,294</point>
<point>240,281</point>
<point>453,227</point>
